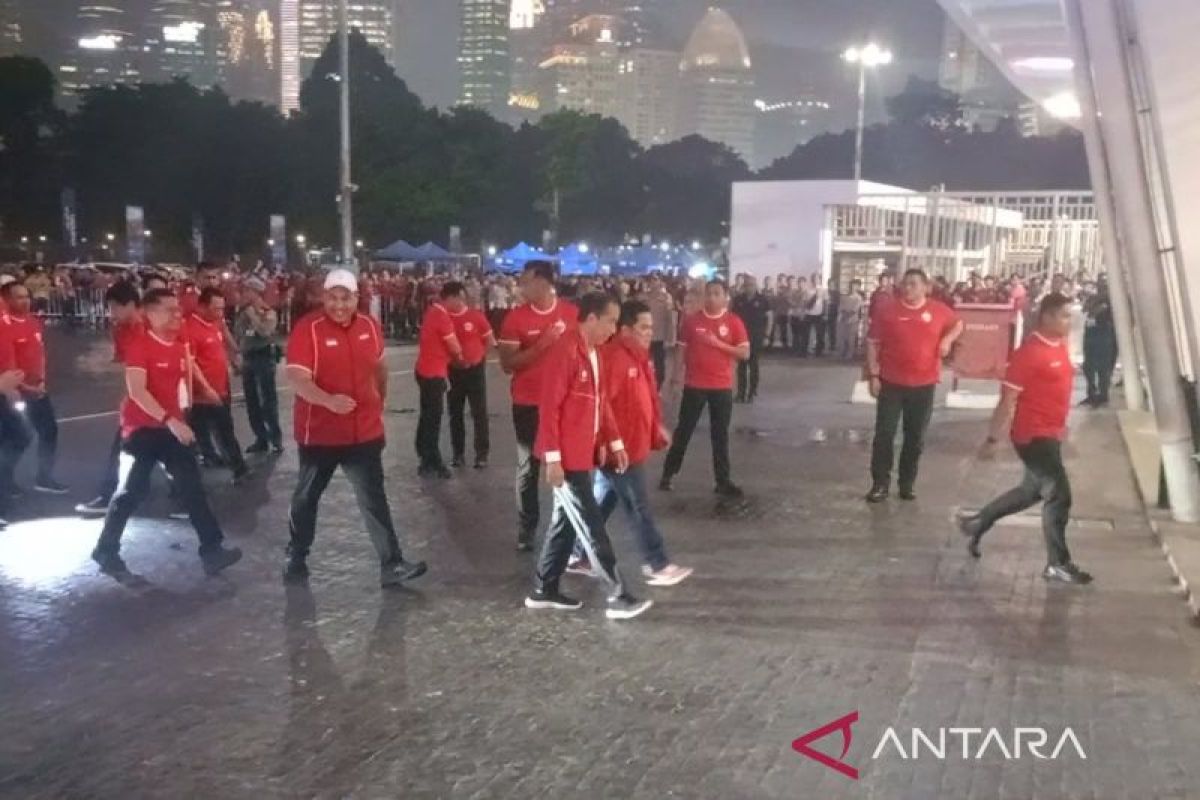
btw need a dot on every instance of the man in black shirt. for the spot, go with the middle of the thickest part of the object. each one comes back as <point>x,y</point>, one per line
<point>753,307</point>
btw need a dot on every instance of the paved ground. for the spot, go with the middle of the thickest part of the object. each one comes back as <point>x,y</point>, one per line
<point>807,605</point>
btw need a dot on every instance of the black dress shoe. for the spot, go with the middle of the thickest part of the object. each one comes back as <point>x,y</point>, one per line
<point>524,542</point>
<point>215,561</point>
<point>906,493</point>
<point>110,563</point>
<point>295,569</point>
<point>257,447</point>
<point>481,462</point>
<point>972,527</point>
<point>1066,573</point>
<point>729,490</point>
<point>878,494</point>
<point>665,485</point>
<point>399,571</point>
<point>277,448</point>
<point>457,462</point>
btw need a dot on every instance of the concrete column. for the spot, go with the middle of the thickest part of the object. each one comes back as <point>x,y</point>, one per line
<point>1115,127</point>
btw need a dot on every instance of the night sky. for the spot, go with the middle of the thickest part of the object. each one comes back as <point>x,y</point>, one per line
<point>783,35</point>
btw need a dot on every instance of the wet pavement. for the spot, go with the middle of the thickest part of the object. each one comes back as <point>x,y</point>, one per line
<point>806,605</point>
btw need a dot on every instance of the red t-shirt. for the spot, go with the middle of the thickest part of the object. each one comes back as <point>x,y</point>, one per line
<point>342,360</point>
<point>433,355</point>
<point>472,329</point>
<point>706,367</point>
<point>207,341</point>
<point>165,364</point>
<point>123,335</point>
<point>909,341</point>
<point>1041,371</point>
<point>523,326</point>
<point>29,348</point>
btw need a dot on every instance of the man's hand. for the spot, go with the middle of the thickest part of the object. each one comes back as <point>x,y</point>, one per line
<point>987,450</point>
<point>945,347</point>
<point>876,386</point>
<point>664,436</point>
<point>552,334</point>
<point>341,404</point>
<point>9,381</point>
<point>181,431</point>
<point>621,457</point>
<point>555,476</point>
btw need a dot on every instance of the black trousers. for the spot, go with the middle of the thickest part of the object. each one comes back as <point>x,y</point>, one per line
<point>577,515</point>
<point>525,425</point>
<point>362,464</point>
<point>469,387</point>
<point>262,396</point>
<point>112,469</point>
<point>912,405</point>
<point>799,335</point>
<point>747,371</point>
<point>215,423</point>
<point>814,328</point>
<point>14,440</point>
<point>658,355</point>
<point>40,413</point>
<point>429,424</point>
<point>831,331</point>
<point>720,413</point>
<point>1099,360</point>
<point>779,330</point>
<point>140,454</point>
<point>1045,480</point>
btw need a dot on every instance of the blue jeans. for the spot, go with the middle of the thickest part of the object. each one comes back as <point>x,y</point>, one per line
<point>629,489</point>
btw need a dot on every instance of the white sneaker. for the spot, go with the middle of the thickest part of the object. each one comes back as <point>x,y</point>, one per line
<point>670,575</point>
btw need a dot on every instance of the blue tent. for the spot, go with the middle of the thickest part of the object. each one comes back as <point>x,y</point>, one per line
<point>577,261</point>
<point>431,252</point>
<point>515,259</point>
<point>399,250</point>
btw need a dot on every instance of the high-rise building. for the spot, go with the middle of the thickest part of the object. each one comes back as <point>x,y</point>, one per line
<point>319,24</point>
<point>289,55</point>
<point>582,72</point>
<point>648,89</point>
<point>103,50</point>
<point>485,77</point>
<point>717,93</point>
<point>11,34</point>
<point>987,96</point>
<point>247,49</point>
<point>181,40</point>
<point>525,15</point>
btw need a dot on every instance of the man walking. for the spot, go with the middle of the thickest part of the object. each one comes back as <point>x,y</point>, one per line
<point>1033,409</point>
<point>26,335</point>
<point>336,365</point>
<point>1099,347</point>
<point>211,415</point>
<point>468,380</point>
<point>529,331</point>
<point>849,320</point>
<point>437,348</point>
<point>753,308</point>
<point>159,377</point>
<point>662,308</point>
<point>714,339</point>
<point>908,339</point>
<point>576,432</point>
<point>255,328</point>
<point>628,378</point>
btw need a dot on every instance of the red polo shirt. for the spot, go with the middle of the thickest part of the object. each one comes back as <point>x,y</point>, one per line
<point>1041,371</point>
<point>165,363</point>
<point>472,329</point>
<point>29,347</point>
<point>523,326</point>
<point>207,341</point>
<point>909,341</point>
<point>342,359</point>
<point>189,298</point>
<point>633,396</point>
<point>706,367</point>
<point>433,354</point>
<point>123,336</point>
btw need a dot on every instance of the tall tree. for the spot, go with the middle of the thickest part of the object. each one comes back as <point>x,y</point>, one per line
<point>688,188</point>
<point>29,123</point>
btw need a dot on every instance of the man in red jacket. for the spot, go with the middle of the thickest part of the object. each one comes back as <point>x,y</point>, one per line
<point>468,381</point>
<point>577,432</point>
<point>159,381</point>
<point>529,332</point>
<point>632,391</point>
<point>211,414</point>
<point>437,349</point>
<point>26,335</point>
<point>336,366</point>
<point>908,339</point>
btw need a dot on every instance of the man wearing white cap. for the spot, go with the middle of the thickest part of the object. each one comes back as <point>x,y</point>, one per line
<point>336,365</point>
<point>255,328</point>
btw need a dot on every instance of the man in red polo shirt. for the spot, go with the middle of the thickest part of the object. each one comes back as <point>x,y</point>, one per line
<point>714,339</point>
<point>577,432</point>
<point>336,366</point>
<point>14,433</point>
<point>1033,409</point>
<point>211,416</point>
<point>26,334</point>
<point>528,333</point>
<point>468,380</point>
<point>437,348</point>
<point>631,388</point>
<point>159,379</point>
<point>906,343</point>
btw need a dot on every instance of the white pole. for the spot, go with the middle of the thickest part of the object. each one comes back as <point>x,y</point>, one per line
<point>862,119</point>
<point>346,190</point>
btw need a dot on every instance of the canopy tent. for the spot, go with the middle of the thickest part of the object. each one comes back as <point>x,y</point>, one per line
<point>515,259</point>
<point>399,250</point>
<point>431,252</point>
<point>577,260</point>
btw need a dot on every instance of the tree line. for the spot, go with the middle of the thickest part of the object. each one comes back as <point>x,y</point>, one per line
<point>182,153</point>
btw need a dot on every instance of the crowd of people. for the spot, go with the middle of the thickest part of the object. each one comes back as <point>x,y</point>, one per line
<point>587,358</point>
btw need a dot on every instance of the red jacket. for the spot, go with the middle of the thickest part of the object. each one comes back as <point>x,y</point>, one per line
<point>632,393</point>
<point>573,401</point>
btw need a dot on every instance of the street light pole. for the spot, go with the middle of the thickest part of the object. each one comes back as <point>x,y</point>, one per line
<point>866,57</point>
<point>346,192</point>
